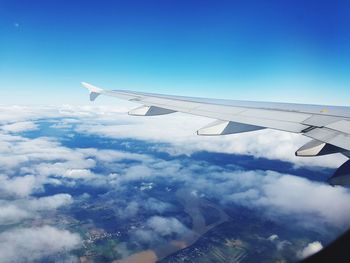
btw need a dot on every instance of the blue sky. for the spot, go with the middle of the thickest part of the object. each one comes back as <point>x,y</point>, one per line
<point>296,51</point>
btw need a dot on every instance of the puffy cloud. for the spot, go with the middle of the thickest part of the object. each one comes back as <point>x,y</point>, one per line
<point>29,244</point>
<point>109,156</point>
<point>46,157</point>
<point>152,204</point>
<point>20,127</point>
<point>273,238</point>
<point>28,164</point>
<point>291,194</point>
<point>310,204</point>
<point>310,249</point>
<point>67,168</point>
<point>49,202</point>
<point>280,244</point>
<point>137,172</point>
<point>278,196</point>
<point>14,211</point>
<point>78,173</point>
<point>140,203</point>
<point>18,186</point>
<point>281,195</point>
<point>15,113</point>
<point>41,158</point>
<point>19,151</point>
<point>10,214</point>
<point>165,226</point>
<point>157,229</point>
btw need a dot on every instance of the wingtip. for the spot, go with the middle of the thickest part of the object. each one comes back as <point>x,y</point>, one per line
<point>91,88</point>
<point>94,91</point>
<point>86,85</point>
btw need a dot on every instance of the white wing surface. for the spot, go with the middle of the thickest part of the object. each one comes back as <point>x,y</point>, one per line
<point>328,126</point>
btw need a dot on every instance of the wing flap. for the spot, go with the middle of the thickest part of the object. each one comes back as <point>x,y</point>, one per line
<point>320,120</point>
<point>336,138</point>
<point>341,126</point>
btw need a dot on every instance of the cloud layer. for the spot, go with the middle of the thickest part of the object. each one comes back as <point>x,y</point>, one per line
<point>29,244</point>
<point>30,164</point>
<point>176,129</point>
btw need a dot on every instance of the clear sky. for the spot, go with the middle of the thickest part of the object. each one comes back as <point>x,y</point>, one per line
<point>290,50</point>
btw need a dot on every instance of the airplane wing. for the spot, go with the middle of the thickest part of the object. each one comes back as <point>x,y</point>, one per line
<point>327,126</point>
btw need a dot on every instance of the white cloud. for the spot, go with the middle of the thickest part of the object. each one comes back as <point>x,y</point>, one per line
<point>78,173</point>
<point>273,238</point>
<point>310,249</point>
<point>152,204</point>
<point>15,113</point>
<point>280,244</point>
<point>293,194</point>
<point>278,196</point>
<point>10,214</point>
<point>18,151</point>
<point>20,127</point>
<point>310,203</point>
<point>29,244</point>
<point>15,211</point>
<point>165,226</point>
<point>29,164</point>
<point>49,202</point>
<point>109,156</point>
<point>137,172</point>
<point>157,229</point>
<point>281,195</point>
<point>18,186</point>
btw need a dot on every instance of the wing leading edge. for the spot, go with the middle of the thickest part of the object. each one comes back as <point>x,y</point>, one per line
<point>328,126</point>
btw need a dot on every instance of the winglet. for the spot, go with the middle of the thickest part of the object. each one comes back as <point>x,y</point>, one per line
<point>94,91</point>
